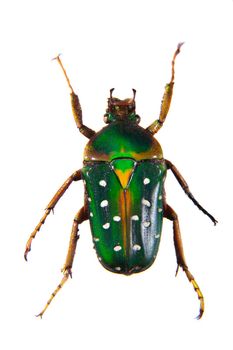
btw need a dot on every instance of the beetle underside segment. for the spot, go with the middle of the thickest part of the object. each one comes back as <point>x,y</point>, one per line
<point>125,211</point>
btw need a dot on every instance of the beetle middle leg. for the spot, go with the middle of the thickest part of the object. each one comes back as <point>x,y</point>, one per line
<point>186,189</point>
<point>67,268</point>
<point>76,176</point>
<point>170,214</point>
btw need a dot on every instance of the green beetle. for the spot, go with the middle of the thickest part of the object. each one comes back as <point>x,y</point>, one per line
<point>124,173</point>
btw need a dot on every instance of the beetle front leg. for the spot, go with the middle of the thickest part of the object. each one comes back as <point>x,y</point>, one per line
<point>167,97</point>
<point>170,214</point>
<point>76,176</point>
<point>186,189</point>
<point>67,268</point>
<point>76,107</point>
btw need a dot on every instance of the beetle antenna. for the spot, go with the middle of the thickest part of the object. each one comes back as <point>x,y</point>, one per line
<point>134,94</point>
<point>111,91</point>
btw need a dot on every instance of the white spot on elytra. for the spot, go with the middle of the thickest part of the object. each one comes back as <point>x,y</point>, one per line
<point>104,203</point>
<point>96,239</point>
<point>157,236</point>
<point>146,202</point>
<point>91,214</point>
<point>117,248</point>
<point>146,223</point>
<point>99,258</point>
<point>116,218</point>
<point>106,226</point>
<point>135,217</point>
<point>102,183</point>
<point>89,199</point>
<point>118,268</point>
<point>160,209</point>
<point>136,247</point>
<point>146,181</point>
<point>160,197</point>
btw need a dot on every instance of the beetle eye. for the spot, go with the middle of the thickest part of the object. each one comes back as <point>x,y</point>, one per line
<point>106,118</point>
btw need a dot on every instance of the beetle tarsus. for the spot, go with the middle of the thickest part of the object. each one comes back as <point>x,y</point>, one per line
<point>200,207</point>
<point>64,71</point>
<point>33,235</point>
<point>67,269</point>
<point>60,285</point>
<point>173,61</point>
<point>76,107</point>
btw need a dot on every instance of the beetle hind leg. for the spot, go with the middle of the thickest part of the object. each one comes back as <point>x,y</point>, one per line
<point>67,268</point>
<point>181,262</point>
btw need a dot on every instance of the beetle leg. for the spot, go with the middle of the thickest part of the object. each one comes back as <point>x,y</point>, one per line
<point>186,189</point>
<point>170,214</point>
<point>167,97</point>
<point>76,176</point>
<point>76,107</point>
<point>67,268</point>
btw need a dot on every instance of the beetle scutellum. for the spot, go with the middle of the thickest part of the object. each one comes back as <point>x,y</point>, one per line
<point>123,172</point>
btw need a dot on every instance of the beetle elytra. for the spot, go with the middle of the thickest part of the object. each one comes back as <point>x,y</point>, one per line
<point>123,174</point>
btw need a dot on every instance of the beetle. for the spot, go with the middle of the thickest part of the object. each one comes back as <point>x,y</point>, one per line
<point>123,173</point>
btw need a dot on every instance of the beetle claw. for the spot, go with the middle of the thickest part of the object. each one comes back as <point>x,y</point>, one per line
<point>27,250</point>
<point>179,46</point>
<point>55,58</point>
<point>177,270</point>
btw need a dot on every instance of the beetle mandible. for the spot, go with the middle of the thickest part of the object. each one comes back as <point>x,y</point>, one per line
<point>123,173</point>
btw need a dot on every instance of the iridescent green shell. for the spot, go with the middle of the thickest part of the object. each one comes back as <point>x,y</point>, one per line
<point>123,139</point>
<point>124,174</point>
<point>126,222</point>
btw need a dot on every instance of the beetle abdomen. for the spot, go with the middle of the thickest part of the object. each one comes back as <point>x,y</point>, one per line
<point>125,210</point>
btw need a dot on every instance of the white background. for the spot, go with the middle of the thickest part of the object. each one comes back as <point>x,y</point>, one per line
<point>121,44</point>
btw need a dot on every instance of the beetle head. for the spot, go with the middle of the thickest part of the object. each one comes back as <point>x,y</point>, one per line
<point>121,110</point>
